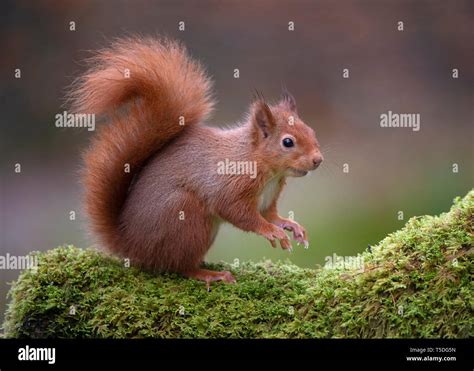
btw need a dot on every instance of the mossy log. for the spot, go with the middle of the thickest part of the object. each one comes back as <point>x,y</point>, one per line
<point>416,283</point>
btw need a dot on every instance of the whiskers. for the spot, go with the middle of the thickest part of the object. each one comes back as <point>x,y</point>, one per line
<point>331,167</point>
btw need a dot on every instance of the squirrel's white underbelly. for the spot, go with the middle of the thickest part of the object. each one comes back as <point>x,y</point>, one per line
<point>268,194</point>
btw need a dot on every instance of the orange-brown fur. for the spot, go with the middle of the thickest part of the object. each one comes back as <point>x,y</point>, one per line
<point>173,168</point>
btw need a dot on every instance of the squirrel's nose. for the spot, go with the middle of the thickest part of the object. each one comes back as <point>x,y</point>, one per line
<point>317,160</point>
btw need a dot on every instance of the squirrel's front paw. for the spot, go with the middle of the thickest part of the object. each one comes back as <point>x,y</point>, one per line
<point>276,233</point>
<point>299,233</point>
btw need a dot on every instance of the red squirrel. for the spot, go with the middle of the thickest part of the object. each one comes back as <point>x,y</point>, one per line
<point>153,192</point>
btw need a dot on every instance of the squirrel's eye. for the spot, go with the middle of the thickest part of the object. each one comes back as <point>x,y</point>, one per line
<point>288,142</point>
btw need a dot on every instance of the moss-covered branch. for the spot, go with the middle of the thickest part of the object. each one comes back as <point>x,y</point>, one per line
<point>418,282</point>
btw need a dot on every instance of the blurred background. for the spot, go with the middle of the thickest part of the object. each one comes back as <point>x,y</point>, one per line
<point>390,169</point>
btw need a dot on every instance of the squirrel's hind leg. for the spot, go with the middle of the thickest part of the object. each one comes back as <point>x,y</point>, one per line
<point>209,276</point>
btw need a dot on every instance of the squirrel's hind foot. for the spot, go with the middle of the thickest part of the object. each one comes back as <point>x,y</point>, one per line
<point>209,276</point>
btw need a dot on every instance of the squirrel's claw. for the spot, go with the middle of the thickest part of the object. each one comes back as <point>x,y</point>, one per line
<point>286,244</point>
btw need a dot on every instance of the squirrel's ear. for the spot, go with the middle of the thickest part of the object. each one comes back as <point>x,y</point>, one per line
<point>263,118</point>
<point>288,100</point>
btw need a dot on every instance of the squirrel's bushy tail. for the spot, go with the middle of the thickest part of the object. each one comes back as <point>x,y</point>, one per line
<point>146,88</point>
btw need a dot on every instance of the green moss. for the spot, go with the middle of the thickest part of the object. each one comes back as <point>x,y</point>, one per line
<point>417,282</point>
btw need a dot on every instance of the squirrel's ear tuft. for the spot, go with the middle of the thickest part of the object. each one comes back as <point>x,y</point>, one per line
<point>288,100</point>
<point>262,117</point>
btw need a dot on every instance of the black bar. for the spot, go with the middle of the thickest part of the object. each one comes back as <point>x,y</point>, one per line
<point>141,351</point>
